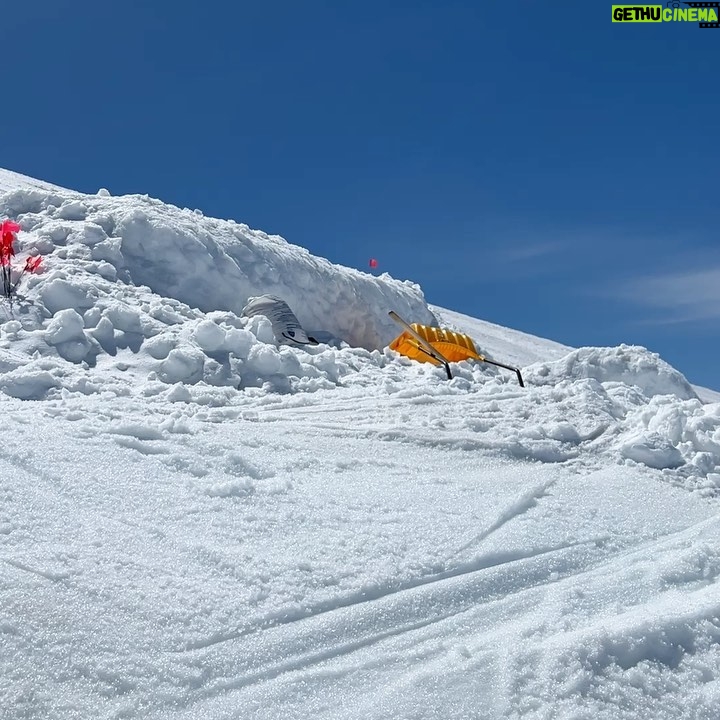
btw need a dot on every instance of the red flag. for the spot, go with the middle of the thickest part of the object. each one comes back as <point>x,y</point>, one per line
<point>7,238</point>
<point>6,248</point>
<point>373,263</point>
<point>8,226</point>
<point>31,264</point>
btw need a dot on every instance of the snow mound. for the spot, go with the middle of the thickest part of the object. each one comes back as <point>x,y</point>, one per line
<point>133,284</point>
<point>141,299</point>
<point>206,263</point>
<point>627,364</point>
<point>665,433</point>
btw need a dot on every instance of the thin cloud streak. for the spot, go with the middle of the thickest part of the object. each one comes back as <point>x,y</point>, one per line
<point>689,296</point>
<point>528,260</point>
<point>532,252</point>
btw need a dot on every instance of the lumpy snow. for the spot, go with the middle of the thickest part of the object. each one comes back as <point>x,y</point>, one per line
<point>196,522</point>
<point>137,296</point>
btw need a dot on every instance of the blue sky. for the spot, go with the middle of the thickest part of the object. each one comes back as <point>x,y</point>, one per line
<point>530,163</point>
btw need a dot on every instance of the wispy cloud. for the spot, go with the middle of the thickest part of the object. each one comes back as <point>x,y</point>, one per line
<point>516,253</point>
<point>525,259</point>
<point>682,296</point>
<point>544,250</point>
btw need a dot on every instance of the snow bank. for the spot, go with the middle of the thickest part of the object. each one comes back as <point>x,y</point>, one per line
<point>141,298</point>
<point>163,288</point>
<point>205,263</point>
<point>626,364</point>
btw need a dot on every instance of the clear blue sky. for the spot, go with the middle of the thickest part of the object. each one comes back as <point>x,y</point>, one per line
<point>529,163</point>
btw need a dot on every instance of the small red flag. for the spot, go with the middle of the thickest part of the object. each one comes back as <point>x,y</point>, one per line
<point>373,263</point>
<point>6,248</point>
<point>31,264</point>
<point>8,228</point>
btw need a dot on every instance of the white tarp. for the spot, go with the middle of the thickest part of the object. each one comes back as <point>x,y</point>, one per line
<point>285,325</point>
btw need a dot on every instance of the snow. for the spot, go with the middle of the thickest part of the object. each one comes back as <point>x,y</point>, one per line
<point>12,181</point>
<point>707,395</point>
<point>198,523</point>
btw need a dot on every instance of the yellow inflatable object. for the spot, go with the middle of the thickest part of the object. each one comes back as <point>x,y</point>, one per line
<point>453,346</point>
<point>439,346</point>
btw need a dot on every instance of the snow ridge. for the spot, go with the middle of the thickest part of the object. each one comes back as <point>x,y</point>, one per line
<point>140,296</point>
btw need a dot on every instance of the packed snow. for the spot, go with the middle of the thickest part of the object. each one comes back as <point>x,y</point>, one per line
<point>197,522</point>
<point>12,181</point>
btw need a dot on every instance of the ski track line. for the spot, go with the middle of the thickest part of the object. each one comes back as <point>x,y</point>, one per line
<point>47,574</point>
<point>369,432</point>
<point>337,631</point>
<point>308,660</point>
<point>384,591</point>
<point>393,401</point>
<point>459,439</point>
<point>526,501</point>
<point>457,603</point>
<point>491,447</point>
<point>25,463</point>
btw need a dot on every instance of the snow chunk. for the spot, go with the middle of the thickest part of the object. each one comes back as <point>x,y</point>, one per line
<point>265,360</point>
<point>183,365</point>
<point>123,317</point>
<point>231,488</point>
<point>59,294</point>
<point>88,234</point>
<point>239,342</point>
<point>159,347</point>
<point>28,383</point>
<point>65,325</point>
<point>109,251</point>
<point>627,364</point>
<point>72,210</point>
<point>179,393</point>
<point>653,450</point>
<point>261,328</point>
<point>209,336</point>
<point>65,331</point>
<point>11,328</point>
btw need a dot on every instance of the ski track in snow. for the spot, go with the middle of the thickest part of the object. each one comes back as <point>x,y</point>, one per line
<point>345,635</point>
<point>361,631</point>
<point>197,523</point>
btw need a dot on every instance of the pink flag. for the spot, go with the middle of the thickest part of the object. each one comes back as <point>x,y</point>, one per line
<point>31,264</point>
<point>8,226</point>
<point>7,238</point>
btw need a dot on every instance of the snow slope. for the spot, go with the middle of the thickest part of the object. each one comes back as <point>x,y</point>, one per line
<point>518,348</point>
<point>707,395</point>
<point>12,181</point>
<point>196,523</point>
